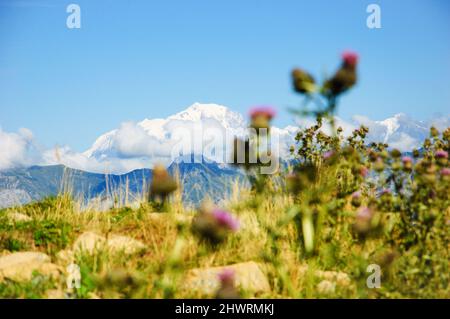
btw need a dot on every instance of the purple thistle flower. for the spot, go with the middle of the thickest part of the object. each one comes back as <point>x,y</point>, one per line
<point>406,159</point>
<point>266,111</point>
<point>350,58</point>
<point>328,154</point>
<point>364,171</point>
<point>356,194</point>
<point>441,154</point>
<point>445,171</point>
<point>225,219</point>
<point>226,276</point>
<point>364,213</point>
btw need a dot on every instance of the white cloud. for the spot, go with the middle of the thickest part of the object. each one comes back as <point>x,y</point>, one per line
<point>440,122</point>
<point>404,142</point>
<point>16,149</point>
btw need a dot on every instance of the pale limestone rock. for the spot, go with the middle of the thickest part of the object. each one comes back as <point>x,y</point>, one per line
<point>91,242</point>
<point>340,278</point>
<point>18,217</point>
<point>92,295</point>
<point>20,266</point>
<point>55,294</point>
<point>125,244</point>
<point>248,276</point>
<point>326,287</point>
<point>65,257</point>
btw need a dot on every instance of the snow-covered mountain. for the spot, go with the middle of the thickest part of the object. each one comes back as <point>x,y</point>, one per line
<point>399,131</point>
<point>203,129</point>
<point>208,130</point>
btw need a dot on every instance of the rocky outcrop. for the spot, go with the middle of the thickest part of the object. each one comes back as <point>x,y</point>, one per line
<point>21,266</point>
<point>248,277</point>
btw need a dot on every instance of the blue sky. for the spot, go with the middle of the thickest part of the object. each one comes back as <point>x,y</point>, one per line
<point>145,59</point>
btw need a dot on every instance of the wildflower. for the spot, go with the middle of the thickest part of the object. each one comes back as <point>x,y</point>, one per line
<point>328,155</point>
<point>441,157</point>
<point>350,58</point>
<point>379,165</point>
<point>364,171</point>
<point>441,154</point>
<point>225,219</point>
<point>407,163</point>
<point>345,77</point>
<point>356,199</point>
<point>162,184</point>
<point>261,117</point>
<point>434,132</point>
<point>227,288</point>
<point>445,173</point>
<point>406,159</point>
<point>395,153</point>
<point>214,224</point>
<point>303,82</point>
<point>364,221</point>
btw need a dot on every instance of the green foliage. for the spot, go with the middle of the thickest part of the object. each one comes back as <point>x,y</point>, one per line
<point>12,244</point>
<point>33,289</point>
<point>52,233</point>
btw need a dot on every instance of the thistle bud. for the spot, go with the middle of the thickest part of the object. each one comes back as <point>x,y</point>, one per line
<point>303,82</point>
<point>441,157</point>
<point>162,183</point>
<point>378,165</point>
<point>261,117</point>
<point>364,171</point>
<point>441,154</point>
<point>434,132</point>
<point>356,199</point>
<point>395,153</point>
<point>363,221</point>
<point>407,163</point>
<point>445,173</point>
<point>345,77</point>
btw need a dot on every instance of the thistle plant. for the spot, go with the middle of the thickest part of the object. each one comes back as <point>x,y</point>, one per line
<point>325,96</point>
<point>214,224</point>
<point>253,152</point>
<point>161,186</point>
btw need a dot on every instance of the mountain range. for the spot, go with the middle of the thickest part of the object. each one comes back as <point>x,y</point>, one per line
<point>195,142</point>
<point>198,181</point>
<point>207,130</point>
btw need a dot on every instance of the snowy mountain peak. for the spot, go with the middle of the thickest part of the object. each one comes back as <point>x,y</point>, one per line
<point>220,113</point>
